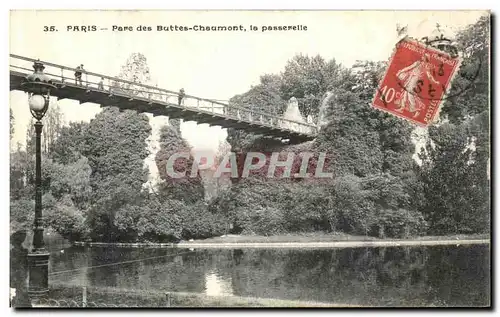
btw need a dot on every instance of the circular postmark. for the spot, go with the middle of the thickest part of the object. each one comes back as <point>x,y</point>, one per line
<point>426,87</point>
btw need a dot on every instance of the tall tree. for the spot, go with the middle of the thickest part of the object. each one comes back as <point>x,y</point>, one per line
<point>72,142</point>
<point>352,135</point>
<point>455,179</point>
<point>68,198</point>
<point>264,97</point>
<point>53,122</point>
<point>307,79</point>
<point>188,189</point>
<point>454,176</point>
<point>116,153</point>
<point>364,142</point>
<point>115,144</point>
<point>469,94</point>
<point>19,174</point>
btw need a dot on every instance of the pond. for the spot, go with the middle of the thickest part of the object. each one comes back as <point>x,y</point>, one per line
<point>410,276</point>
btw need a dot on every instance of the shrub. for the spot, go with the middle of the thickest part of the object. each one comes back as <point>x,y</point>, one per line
<point>399,223</point>
<point>65,218</point>
<point>22,212</point>
<point>199,223</point>
<point>266,221</point>
<point>154,222</point>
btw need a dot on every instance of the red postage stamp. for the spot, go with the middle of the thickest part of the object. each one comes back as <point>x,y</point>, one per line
<point>416,82</point>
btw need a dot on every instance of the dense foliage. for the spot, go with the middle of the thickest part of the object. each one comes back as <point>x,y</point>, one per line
<point>93,175</point>
<point>93,172</point>
<point>454,178</point>
<point>378,188</point>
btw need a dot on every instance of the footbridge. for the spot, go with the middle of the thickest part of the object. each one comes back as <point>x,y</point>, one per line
<point>109,91</point>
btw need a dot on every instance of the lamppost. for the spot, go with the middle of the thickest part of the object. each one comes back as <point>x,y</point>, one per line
<point>38,85</point>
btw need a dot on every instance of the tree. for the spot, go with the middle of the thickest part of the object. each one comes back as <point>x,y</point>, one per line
<point>71,143</point>
<point>352,133</point>
<point>151,221</point>
<point>453,206</point>
<point>395,135</point>
<point>21,214</point>
<point>199,223</point>
<point>246,203</point>
<point>187,189</point>
<point>116,151</point>
<point>365,143</point>
<point>71,181</point>
<point>454,176</point>
<point>351,211</point>
<point>114,145</point>
<point>265,97</point>
<point>52,124</point>
<point>65,218</point>
<point>307,79</point>
<point>66,193</point>
<point>469,94</point>
<point>391,212</point>
<point>19,174</point>
<point>366,76</point>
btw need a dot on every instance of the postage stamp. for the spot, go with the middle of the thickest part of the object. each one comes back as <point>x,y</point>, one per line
<point>416,82</point>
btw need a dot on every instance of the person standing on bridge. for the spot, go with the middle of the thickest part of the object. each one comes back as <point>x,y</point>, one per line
<point>181,96</point>
<point>78,74</point>
<point>101,84</point>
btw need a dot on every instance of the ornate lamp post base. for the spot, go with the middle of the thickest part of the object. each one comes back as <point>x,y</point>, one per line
<point>38,274</point>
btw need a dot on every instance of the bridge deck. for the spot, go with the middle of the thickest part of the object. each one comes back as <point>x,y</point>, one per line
<point>143,98</point>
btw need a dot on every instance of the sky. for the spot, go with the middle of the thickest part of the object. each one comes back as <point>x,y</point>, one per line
<point>213,65</point>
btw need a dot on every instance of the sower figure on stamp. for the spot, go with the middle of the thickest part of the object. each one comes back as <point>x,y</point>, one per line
<point>78,74</point>
<point>410,78</point>
<point>181,96</point>
<point>19,271</point>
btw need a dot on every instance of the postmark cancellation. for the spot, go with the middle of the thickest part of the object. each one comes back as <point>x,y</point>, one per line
<point>416,82</point>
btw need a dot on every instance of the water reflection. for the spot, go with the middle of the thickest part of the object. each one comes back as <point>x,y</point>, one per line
<point>442,276</point>
<point>216,285</point>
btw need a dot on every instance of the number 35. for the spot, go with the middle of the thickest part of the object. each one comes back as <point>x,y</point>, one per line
<point>49,28</point>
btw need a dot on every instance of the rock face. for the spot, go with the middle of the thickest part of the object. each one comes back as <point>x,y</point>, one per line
<point>153,147</point>
<point>322,109</point>
<point>292,112</point>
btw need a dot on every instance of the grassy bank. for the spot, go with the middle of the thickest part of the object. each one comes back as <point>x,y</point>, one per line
<point>308,240</point>
<point>62,295</point>
<point>325,237</point>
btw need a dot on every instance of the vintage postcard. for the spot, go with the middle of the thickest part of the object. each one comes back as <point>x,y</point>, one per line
<point>249,158</point>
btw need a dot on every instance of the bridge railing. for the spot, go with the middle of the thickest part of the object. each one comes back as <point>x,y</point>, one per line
<point>66,76</point>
